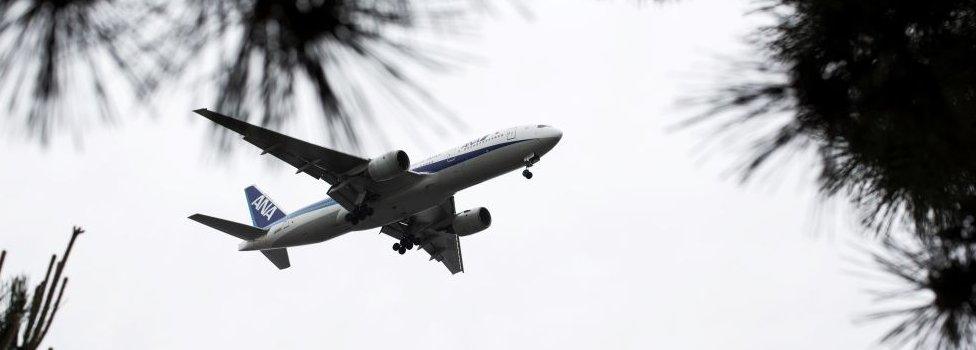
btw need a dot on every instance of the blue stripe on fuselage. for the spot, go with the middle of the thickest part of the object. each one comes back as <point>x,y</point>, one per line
<point>458,159</point>
<point>325,203</point>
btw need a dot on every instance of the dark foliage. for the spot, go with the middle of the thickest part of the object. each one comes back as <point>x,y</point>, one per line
<point>885,91</point>
<point>351,53</point>
<point>25,318</point>
<point>57,58</point>
<point>938,283</point>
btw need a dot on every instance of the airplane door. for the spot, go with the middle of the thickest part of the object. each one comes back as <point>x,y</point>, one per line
<point>510,135</point>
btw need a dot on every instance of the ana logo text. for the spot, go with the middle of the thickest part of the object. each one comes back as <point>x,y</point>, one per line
<point>264,206</point>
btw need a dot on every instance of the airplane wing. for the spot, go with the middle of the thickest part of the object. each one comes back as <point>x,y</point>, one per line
<point>344,172</point>
<point>427,230</point>
<point>317,161</point>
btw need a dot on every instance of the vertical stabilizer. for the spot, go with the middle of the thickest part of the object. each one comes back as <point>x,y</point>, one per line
<point>263,211</point>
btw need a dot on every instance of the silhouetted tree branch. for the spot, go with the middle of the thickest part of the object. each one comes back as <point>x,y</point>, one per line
<point>24,325</point>
<point>936,301</point>
<point>886,93</point>
<point>352,54</point>
<point>60,58</point>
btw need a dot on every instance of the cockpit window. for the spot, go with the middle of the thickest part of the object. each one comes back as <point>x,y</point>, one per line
<point>541,126</point>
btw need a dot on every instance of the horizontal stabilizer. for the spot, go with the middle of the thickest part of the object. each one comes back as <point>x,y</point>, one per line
<point>278,257</point>
<point>242,231</point>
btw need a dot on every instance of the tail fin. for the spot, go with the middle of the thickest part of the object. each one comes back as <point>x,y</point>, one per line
<point>263,211</point>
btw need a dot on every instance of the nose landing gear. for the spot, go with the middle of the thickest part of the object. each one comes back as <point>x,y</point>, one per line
<point>529,161</point>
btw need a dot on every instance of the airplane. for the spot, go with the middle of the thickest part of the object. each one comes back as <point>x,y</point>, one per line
<point>413,203</point>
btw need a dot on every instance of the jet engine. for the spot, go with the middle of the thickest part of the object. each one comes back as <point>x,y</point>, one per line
<point>471,221</point>
<point>388,166</point>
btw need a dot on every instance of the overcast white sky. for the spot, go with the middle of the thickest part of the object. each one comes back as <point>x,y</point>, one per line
<point>625,238</point>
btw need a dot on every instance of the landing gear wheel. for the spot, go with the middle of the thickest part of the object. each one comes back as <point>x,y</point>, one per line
<point>527,173</point>
<point>396,246</point>
<point>367,211</point>
<point>401,250</point>
<point>409,246</point>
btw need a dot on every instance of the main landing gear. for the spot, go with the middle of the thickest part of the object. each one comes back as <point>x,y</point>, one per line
<point>529,161</point>
<point>402,247</point>
<point>358,214</point>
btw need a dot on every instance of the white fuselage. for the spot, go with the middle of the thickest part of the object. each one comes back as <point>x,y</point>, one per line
<point>445,174</point>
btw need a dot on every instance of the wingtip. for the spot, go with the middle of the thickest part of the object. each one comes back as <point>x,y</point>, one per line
<point>224,120</point>
<point>206,113</point>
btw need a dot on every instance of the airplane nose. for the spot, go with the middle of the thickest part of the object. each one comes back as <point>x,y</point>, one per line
<point>554,135</point>
<point>551,137</point>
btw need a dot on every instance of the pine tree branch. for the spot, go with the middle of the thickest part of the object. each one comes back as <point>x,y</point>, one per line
<point>57,304</point>
<point>36,302</point>
<point>44,321</point>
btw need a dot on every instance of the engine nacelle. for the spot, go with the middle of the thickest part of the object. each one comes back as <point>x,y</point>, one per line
<point>388,166</point>
<point>471,221</point>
